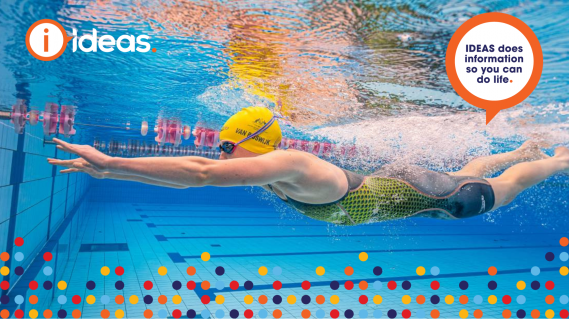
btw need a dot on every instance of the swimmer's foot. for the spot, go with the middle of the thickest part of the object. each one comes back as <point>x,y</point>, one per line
<point>531,150</point>
<point>562,153</point>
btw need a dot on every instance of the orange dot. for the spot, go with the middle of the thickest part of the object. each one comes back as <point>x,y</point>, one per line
<point>363,285</point>
<point>33,299</point>
<point>105,314</point>
<point>535,313</point>
<point>320,299</point>
<point>305,314</point>
<point>420,299</point>
<point>119,299</point>
<point>5,314</point>
<point>564,242</point>
<point>148,313</point>
<point>47,314</point>
<point>492,271</point>
<point>549,299</point>
<point>506,314</point>
<point>478,313</point>
<point>463,299</point>
<point>349,271</point>
<point>191,271</point>
<point>435,313</point>
<point>162,299</point>
<point>277,314</point>
<point>263,299</point>
<point>76,314</point>
<point>153,49</point>
<point>511,81</point>
<point>5,256</point>
<point>205,285</point>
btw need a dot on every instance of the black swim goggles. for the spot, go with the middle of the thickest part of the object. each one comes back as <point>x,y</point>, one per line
<point>229,147</point>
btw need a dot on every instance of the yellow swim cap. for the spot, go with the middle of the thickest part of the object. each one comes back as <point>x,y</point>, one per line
<point>246,122</point>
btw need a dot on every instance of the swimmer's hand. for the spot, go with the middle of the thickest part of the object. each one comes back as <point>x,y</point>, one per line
<point>78,165</point>
<point>90,156</point>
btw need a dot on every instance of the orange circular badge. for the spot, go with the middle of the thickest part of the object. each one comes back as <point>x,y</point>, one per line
<point>46,40</point>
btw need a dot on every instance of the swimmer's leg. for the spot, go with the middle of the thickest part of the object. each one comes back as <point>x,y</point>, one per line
<point>524,175</point>
<point>487,166</point>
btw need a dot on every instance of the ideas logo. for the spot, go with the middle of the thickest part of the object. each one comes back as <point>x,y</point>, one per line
<point>46,40</point>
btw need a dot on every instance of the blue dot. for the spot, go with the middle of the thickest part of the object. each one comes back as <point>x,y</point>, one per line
<point>521,299</point>
<point>219,314</point>
<point>5,300</point>
<point>478,299</point>
<point>492,285</point>
<point>521,314</point>
<point>277,299</point>
<point>277,271</point>
<point>62,299</point>
<point>47,271</point>
<point>47,285</point>
<point>219,271</point>
<point>91,285</point>
<point>19,299</point>
<point>349,314</point>
<point>234,314</point>
<point>563,299</point>
<point>435,299</point>
<point>535,285</point>
<point>305,299</point>
<point>219,285</point>
<point>334,285</point>
<point>263,313</point>
<point>19,256</point>
<point>535,271</point>
<point>320,314</point>
<point>61,314</point>
<point>563,256</point>
<point>463,285</point>
<point>119,285</point>
<point>435,271</point>
<point>377,271</point>
<point>377,314</point>
<point>363,314</point>
<point>392,313</point>
<point>248,285</point>
<point>549,257</point>
<point>421,314</point>
<point>148,299</point>
<point>205,314</point>
<point>19,271</point>
<point>377,285</point>
<point>176,285</point>
<point>406,285</point>
<point>191,314</point>
<point>162,313</point>
<point>105,299</point>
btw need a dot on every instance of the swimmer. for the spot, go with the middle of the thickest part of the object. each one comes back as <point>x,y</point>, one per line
<point>323,191</point>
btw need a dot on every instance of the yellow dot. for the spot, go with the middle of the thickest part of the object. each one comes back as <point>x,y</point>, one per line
<point>90,299</point>
<point>492,299</point>
<point>377,299</point>
<point>62,285</point>
<point>549,314</point>
<point>420,271</point>
<point>406,299</point>
<point>133,299</point>
<point>162,270</point>
<point>449,299</point>
<point>219,299</point>
<point>177,299</point>
<point>205,256</point>
<point>263,271</point>
<point>563,271</point>
<point>334,299</point>
<point>33,314</point>
<point>363,256</point>
<point>521,285</point>
<point>320,271</point>
<point>291,299</point>
<point>463,314</point>
<point>5,271</point>
<point>248,299</point>
<point>105,271</point>
<point>119,314</point>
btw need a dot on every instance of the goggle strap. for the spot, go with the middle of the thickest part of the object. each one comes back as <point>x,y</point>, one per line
<point>258,132</point>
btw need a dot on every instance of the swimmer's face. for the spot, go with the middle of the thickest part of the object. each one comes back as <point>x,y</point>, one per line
<point>237,153</point>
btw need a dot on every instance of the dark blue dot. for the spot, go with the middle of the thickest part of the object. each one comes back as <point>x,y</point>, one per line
<point>5,299</point>
<point>277,299</point>
<point>521,314</point>
<point>219,271</point>
<point>119,285</point>
<point>305,299</point>
<point>62,314</point>
<point>47,285</point>
<point>90,284</point>
<point>492,285</point>
<point>349,314</point>
<point>334,285</point>
<point>549,256</point>
<point>435,299</point>
<point>392,313</point>
<point>463,285</point>
<point>248,285</point>
<point>177,285</point>
<point>535,285</point>
<point>19,271</point>
<point>191,313</point>
<point>377,271</point>
<point>234,314</point>
<point>406,285</point>
<point>148,299</point>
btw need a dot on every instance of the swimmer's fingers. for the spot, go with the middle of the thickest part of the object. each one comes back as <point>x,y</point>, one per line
<point>64,146</point>
<point>70,170</point>
<point>65,163</point>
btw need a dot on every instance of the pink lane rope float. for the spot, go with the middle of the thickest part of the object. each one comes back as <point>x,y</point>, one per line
<point>50,117</point>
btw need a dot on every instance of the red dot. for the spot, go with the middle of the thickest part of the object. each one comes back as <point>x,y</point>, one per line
<point>205,299</point>
<point>47,256</point>
<point>119,271</point>
<point>305,285</point>
<point>549,285</point>
<point>19,241</point>
<point>363,299</point>
<point>177,314</point>
<point>191,285</point>
<point>564,314</point>
<point>234,285</point>
<point>148,285</point>
<point>19,313</point>
<point>334,314</point>
<point>277,285</point>
<point>406,314</point>
<point>506,299</point>
<point>5,285</point>
<point>392,285</point>
<point>248,314</point>
<point>349,285</point>
<point>435,285</point>
<point>33,285</point>
<point>76,299</point>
